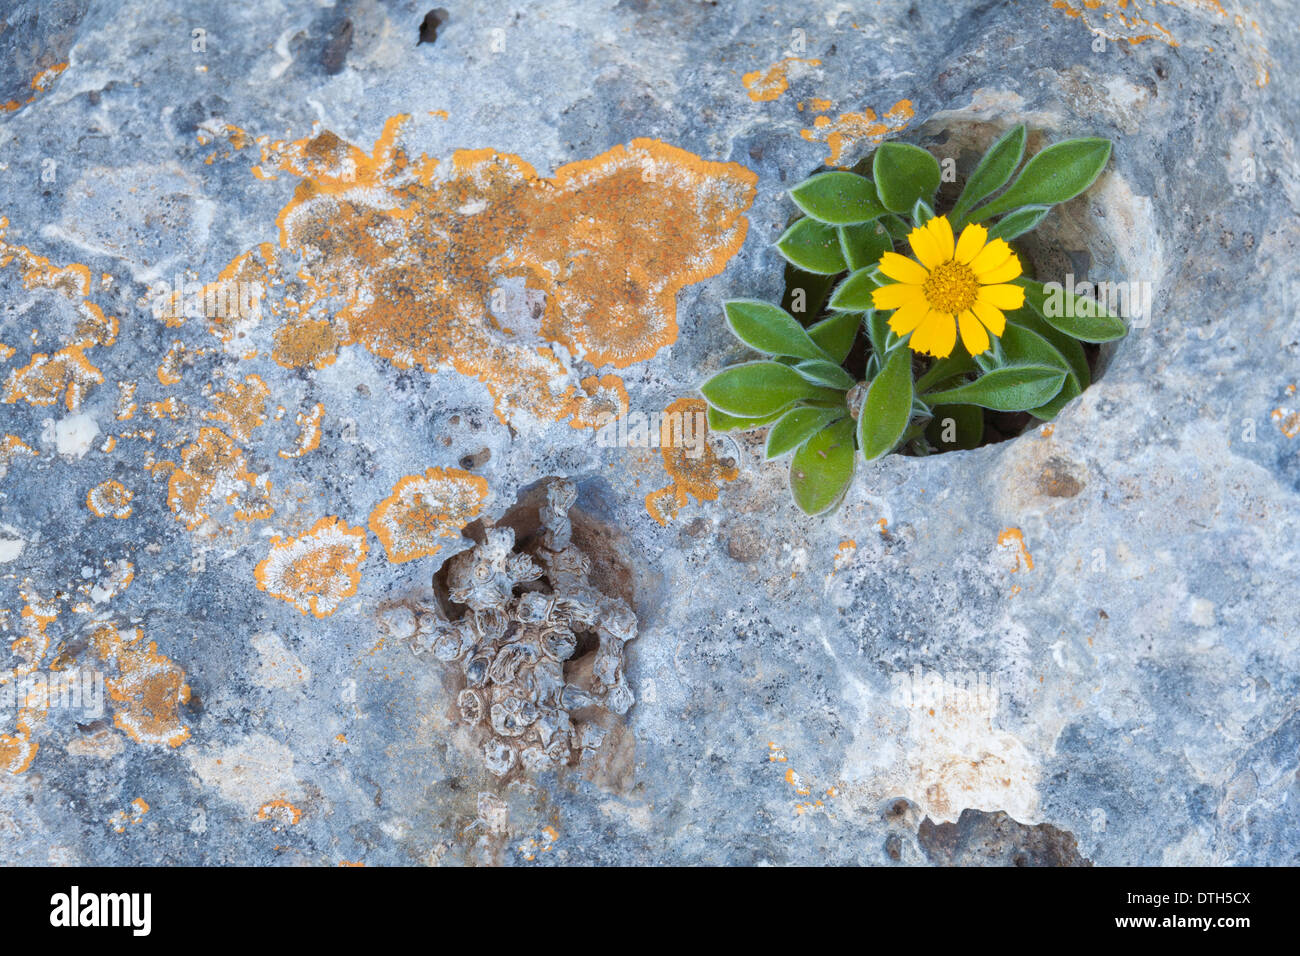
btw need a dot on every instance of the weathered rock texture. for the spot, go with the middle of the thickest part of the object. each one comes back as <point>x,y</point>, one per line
<point>291,303</point>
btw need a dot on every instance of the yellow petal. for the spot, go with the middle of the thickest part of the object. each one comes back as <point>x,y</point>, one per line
<point>1003,273</point>
<point>973,335</point>
<point>908,317</point>
<point>925,247</point>
<point>991,256</point>
<point>970,243</point>
<point>992,318</point>
<point>1001,296</point>
<point>903,269</point>
<point>936,335</point>
<point>896,295</point>
<point>941,230</point>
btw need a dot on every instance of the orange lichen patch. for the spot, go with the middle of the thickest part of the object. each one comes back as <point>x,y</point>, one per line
<point>125,407</point>
<point>149,688</point>
<point>212,469</point>
<point>241,408</point>
<point>316,571</point>
<point>232,304</point>
<point>309,424</point>
<point>844,554</point>
<point>1013,541</point>
<point>766,85</point>
<point>543,843</point>
<point>11,447</point>
<point>6,352</point>
<point>41,82</point>
<point>110,499</point>
<point>305,342</point>
<point>605,401</point>
<point>18,750</point>
<point>850,130</point>
<point>67,373</point>
<point>405,258</point>
<point>121,819</point>
<point>1288,423</point>
<point>172,408</point>
<point>90,327</point>
<point>169,369</point>
<point>280,812</point>
<point>424,510</point>
<point>699,476</point>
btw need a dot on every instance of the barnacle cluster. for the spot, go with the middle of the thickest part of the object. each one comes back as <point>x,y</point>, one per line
<point>539,648</point>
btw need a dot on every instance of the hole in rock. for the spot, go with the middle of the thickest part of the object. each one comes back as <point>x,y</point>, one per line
<point>1075,238</point>
<point>433,21</point>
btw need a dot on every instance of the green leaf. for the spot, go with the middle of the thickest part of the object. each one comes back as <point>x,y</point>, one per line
<point>1025,347</point>
<point>964,423</point>
<point>888,407</point>
<point>994,169</point>
<point>838,198</point>
<point>1084,319</point>
<point>958,362</point>
<point>878,331</point>
<point>823,467</point>
<point>1013,388</point>
<point>756,389</point>
<point>904,174</point>
<point>922,212</point>
<point>769,328</point>
<point>830,374</point>
<point>897,226</point>
<point>854,293</point>
<point>813,246</point>
<point>1018,223</point>
<point>1055,175</point>
<point>864,244</point>
<point>798,425</point>
<point>835,336</point>
<point>1067,345</point>
<point>720,421</point>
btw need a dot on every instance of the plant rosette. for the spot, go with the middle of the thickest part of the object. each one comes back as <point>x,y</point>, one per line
<point>949,323</point>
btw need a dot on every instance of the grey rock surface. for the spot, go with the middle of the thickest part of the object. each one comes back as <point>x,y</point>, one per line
<point>1077,645</point>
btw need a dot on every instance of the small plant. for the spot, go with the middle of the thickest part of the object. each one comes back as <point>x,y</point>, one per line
<point>952,330</point>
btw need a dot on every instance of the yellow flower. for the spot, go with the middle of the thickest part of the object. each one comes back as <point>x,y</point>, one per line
<point>954,285</point>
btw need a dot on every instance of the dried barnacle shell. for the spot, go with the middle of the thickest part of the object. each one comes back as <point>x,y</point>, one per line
<point>509,660</point>
<point>548,682</point>
<point>454,642</point>
<point>471,706</point>
<point>620,699</point>
<point>574,697</point>
<point>498,756</point>
<point>509,717</point>
<point>558,643</point>
<point>533,607</point>
<point>476,670</point>
<point>617,620</point>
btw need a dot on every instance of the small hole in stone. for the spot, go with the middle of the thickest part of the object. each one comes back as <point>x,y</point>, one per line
<point>433,20</point>
<point>806,295</point>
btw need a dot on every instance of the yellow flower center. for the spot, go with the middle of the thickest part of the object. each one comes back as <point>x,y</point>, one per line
<point>951,287</point>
